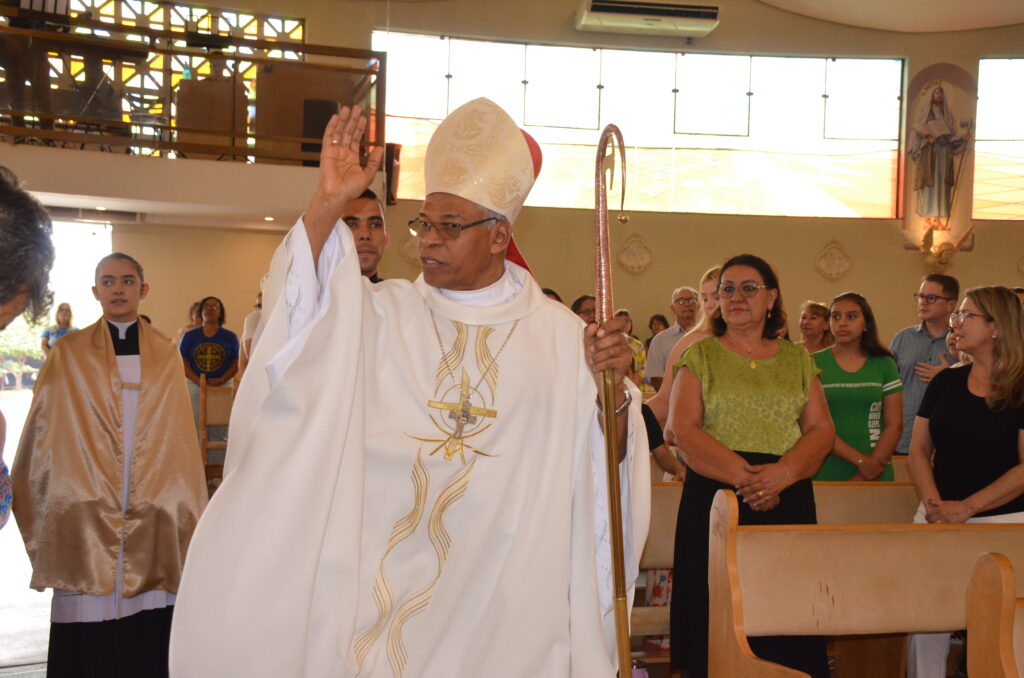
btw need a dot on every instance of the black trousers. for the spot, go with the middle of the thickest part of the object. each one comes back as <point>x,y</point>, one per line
<point>131,647</point>
<point>689,621</point>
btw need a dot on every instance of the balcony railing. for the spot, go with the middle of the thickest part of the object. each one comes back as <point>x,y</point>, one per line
<point>177,93</point>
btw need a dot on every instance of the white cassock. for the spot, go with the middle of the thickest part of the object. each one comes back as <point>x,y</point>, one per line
<point>391,510</point>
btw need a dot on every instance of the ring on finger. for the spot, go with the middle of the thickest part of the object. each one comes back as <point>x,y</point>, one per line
<point>760,493</point>
<point>335,141</point>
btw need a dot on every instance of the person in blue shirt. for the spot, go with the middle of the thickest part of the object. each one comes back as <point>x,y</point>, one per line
<point>920,350</point>
<point>211,350</point>
<point>52,334</point>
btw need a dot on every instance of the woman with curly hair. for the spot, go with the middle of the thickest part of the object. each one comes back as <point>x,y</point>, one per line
<point>26,256</point>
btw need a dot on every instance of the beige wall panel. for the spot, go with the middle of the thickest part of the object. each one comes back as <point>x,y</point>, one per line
<point>183,265</point>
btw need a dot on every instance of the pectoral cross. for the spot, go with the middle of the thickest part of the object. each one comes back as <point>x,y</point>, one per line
<point>462,413</point>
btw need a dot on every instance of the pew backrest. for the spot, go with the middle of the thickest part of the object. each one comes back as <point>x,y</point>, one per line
<point>901,468</point>
<point>865,503</point>
<point>839,579</point>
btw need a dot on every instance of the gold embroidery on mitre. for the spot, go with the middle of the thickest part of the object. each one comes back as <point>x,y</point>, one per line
<point>441,541</point>
<point>475,147</point>
<point>382,594</point>
<point>472,125</point>
<point>453,171</point>
<point>504,190</point>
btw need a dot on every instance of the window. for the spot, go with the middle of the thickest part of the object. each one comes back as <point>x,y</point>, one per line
<point>706,133</point>
<point>712,94</point>
<point>142,91</point>
<point>999,151</point>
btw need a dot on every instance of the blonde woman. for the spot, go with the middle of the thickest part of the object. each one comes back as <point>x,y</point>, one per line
<point>52,334</point>
<point>709,304</point>
<point>967,449</point>
<point>814,326</point>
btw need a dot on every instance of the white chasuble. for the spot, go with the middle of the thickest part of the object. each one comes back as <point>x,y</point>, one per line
<point>410,490</point>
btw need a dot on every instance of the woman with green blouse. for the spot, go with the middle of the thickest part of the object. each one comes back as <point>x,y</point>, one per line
<point>749,413</point>
<point>864,392</point>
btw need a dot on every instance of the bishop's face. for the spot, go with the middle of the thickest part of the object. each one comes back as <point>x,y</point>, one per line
<point>471,261</point>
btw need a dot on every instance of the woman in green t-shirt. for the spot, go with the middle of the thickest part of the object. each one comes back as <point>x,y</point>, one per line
<point>748,411</point>
<point>864,392</point>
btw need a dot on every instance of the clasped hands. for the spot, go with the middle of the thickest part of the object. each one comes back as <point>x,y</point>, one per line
<point>939,511</point>
<point>869,469</point>
<point>762,484</point>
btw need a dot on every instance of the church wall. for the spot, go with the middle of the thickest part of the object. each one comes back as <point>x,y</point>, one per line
<point>184,264</point>
<point>558,242</point>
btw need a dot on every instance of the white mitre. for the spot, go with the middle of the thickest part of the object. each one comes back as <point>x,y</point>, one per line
<point>478,153</point>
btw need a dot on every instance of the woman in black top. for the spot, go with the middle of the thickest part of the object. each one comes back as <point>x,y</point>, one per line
<point>967,450</point>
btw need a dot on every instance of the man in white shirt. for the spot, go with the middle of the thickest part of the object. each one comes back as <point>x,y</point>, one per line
<point>684,307</point>
<point>450,488</point>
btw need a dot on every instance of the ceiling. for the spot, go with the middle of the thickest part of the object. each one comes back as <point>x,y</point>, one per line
<point>910,16</point>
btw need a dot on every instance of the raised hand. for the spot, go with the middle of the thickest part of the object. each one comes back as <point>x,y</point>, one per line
<point>342,178</point>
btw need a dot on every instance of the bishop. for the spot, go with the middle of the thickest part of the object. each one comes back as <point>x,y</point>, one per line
<point>339,543</point>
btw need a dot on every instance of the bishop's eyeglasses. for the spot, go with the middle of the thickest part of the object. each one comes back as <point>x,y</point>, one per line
<point>446,230</point>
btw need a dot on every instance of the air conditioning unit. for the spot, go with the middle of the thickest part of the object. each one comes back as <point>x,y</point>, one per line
<point>647,17</point>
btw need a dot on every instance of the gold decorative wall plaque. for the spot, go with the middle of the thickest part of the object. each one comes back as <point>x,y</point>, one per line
<point>635,255</point>
<point>410,251</point>
<point>832,263</point>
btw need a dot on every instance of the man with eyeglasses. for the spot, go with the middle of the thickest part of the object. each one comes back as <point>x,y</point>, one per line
<point>417,496</point>
<point>921,350</point>
<point>684,307</point>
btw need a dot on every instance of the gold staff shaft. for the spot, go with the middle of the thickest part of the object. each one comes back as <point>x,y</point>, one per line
<point>605,310</point>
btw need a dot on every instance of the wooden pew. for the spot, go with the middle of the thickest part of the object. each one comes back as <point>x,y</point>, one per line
<point>865,503</point>
<point>837,580</point>
<point>995,619</point>
<point>658,555</point>
<point>900,468</point>
<point>838,503</point>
